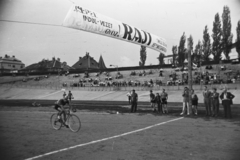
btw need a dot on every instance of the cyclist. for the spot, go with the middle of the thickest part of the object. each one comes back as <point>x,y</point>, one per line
<point>59,106</point>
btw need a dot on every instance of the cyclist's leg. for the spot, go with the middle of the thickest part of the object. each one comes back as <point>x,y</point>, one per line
<point>57,108</point>
<point>64,115</point>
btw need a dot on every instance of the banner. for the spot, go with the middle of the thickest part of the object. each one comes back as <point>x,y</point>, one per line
<point>84,19</point>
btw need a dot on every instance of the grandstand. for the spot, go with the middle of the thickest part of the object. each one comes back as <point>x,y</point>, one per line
<point>129,78</point>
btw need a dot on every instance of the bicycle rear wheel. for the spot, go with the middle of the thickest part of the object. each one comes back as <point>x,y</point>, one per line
<point>74,123</point>
<point>55,122</point>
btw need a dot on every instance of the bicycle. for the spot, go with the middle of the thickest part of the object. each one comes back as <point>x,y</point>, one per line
<point>57,121</point>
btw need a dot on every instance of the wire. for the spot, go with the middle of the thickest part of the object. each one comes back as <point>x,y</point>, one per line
<point>44,24</point>
<point>54,25</point>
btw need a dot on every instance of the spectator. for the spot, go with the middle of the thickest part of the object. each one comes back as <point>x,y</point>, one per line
<point>64,94</point>
<point>129,97</point>
<point>70,96</point>
<point>158,101</point>
<point>185,101</point>
<point>215,102</point>
<point>226,98</point>
<point>151,82</point>
<point>194,103</point>
<point>207,101</point>
<point>152,100</point>
<point>134,100</point>
<point>164,97</point>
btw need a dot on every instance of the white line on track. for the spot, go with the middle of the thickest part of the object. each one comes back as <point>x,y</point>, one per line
<point>104,139</point>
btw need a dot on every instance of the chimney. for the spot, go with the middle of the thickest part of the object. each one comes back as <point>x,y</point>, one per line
<point>6,56</point>
<point>53,58</point>
<point>13,56</point>
<point>58,59</point>
<point>80,58</point>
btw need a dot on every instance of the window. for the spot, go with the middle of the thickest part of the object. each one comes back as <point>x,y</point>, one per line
<point>21,66</point>
<point>13,66</point>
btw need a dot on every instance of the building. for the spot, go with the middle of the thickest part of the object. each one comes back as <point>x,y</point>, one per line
<point>10,64</point>
<point>88,62</point>
<point>54,65</point>
<point>168,59</point>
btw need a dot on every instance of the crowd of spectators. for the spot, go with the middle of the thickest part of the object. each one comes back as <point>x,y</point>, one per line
<point>174,79</point>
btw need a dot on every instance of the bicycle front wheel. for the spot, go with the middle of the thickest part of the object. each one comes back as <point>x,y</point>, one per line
<point>55,122</point>
<point>74,123</point>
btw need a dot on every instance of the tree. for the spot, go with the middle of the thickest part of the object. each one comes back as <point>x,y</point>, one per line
<point>174,51</point>
<point>217,38</point>
<point>181,50</point>
<point>238,39</point>
<point>161,58</point>
<point>226,33</point>
<point>143,56</point>
<point>206,45</point>
<point>197,53</point>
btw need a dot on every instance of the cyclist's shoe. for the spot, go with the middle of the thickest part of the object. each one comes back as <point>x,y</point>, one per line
<point>67,126</point>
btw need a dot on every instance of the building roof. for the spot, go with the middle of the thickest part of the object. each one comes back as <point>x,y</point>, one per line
<point>8,59</point>
<point>48,64</point>
<point>86,62</point>
<point>101,63</point>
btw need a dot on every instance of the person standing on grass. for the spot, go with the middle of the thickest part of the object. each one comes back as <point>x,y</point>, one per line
<point>152,100</point>
<point>134,100</point>
<point>129,97</point>
<point>215,102</point>
<point>159,103</point>
<point>185,101</point>
<point>70,96</point>
<point>227,98</point>
<point>207,100</point>
<point>194,103</point>
<point>164,98</point>
<point>64,94</point>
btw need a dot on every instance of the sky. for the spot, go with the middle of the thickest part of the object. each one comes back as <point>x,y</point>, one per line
<point>165,18</point>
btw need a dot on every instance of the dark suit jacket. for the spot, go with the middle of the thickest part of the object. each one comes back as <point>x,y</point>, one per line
<point>230,96</point>
<point>215,97</point>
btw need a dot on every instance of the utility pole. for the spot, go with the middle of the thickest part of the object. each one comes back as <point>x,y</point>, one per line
<point>190,76</point>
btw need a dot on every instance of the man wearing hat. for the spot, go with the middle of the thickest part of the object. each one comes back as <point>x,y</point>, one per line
<point>226,98</point>
<point>134,99</point>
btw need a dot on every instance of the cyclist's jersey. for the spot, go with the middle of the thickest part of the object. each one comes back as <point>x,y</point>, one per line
<point>62,102</point>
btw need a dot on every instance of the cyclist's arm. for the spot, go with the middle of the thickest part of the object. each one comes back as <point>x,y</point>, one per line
<point>62,107</point>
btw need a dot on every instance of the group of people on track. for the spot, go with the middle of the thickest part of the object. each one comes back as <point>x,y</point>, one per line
<point>211,102</point>
<point>158,102</point>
